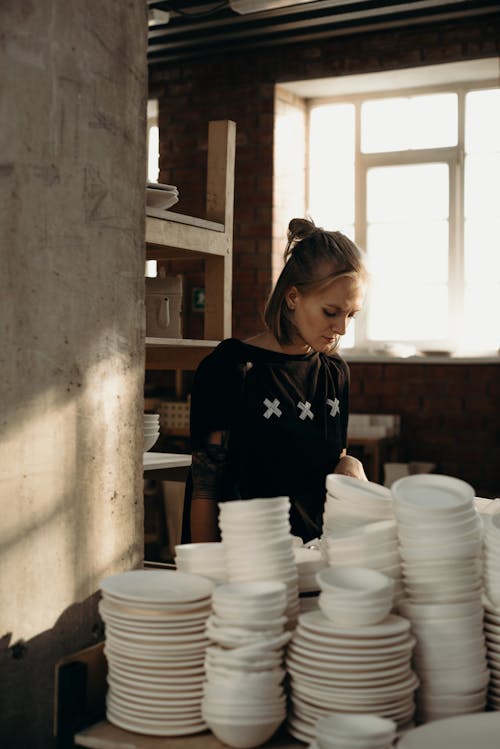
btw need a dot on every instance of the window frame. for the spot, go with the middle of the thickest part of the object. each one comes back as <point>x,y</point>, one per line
<point>453,156</point>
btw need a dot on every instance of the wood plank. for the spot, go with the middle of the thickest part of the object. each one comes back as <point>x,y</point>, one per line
<point>106,736</point>
<point>182,343</point>
<point>166,239</point>
<point>177,356</point>
<point>182,218</point>
<point>218,289</point>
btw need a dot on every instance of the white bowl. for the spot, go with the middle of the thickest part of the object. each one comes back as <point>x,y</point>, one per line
<point>359,725</point>
<point>424,611</point>
<point>349,487</point>
<point>354,582</point>
<point>433,494</point>
<point>241,734</point>
<point>352,616</point>
<point>149,442</point>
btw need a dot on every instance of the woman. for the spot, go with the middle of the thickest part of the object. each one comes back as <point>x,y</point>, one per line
<point>269,415</point>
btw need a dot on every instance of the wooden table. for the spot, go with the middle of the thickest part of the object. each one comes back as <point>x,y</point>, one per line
<point>106,736</point>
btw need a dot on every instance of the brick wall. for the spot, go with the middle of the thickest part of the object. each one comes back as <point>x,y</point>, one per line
<point>449,415</point>
<point>242,87</point>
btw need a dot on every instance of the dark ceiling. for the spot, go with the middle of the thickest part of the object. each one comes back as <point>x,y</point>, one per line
<point>201,28</point>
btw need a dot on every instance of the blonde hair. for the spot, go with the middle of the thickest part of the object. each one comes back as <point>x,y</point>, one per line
<point>309,251</point>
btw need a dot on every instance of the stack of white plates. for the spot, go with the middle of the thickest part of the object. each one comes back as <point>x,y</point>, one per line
<point>151,430</point>
<point>258,545</point>
<point>161,196</point>
<point>440,544</point>
<point>155,647</point>
<point>351,502</point>
<point>492,635</point>
<point>373,545</point>
<point>309,562</point>
<point>491,558</point>
<point>349,670</point>
<point>205,559</point>
<point>450,658</point>
<point>440,538</point>
<point>341,731</point>
<point>244,700</point>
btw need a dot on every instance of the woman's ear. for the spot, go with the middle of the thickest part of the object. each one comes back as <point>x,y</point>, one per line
<point>291,297</point>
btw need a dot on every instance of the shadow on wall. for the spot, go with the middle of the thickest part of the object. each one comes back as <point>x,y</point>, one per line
<point>28,680</point>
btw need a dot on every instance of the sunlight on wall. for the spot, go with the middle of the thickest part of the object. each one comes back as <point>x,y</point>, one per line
<point>64,466</point>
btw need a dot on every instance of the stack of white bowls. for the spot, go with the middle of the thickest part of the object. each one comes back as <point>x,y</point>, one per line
<point>244,700</point>
<point>439,533</point>
<point>373,545</point>
<point>351,502</point>
<point>309,562</point>
<point>440,544</point>
<point>362,731</point>
<point>491,558</point>
<point>449,658</point>
<point>354,596</point>
<point>151,430</point>
<point>205,559</point>
<point>351,670</point>
<point>258,545</point>
<point>492,635</point>
<point>155,647</point>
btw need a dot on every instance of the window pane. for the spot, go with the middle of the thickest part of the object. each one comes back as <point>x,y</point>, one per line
<point>481,315</point>
<point>482,121</point>
<point>153,153</point>
<point>331,161</point>
<point>482,186</point>
<point>482,251</point>
<point>399,250</point>
<point>384,125</point>
<point>418,192</point>
<point>403,123</point>
<point>404,311</point>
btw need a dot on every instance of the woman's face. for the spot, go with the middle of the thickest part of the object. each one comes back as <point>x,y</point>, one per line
<point>321,316</point>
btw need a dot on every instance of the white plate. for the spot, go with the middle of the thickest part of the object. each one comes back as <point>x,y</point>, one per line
<point>157,587</point>
<point>163,728</point>
<point>338,680</point>
<point>479,730</point>
<point>316,621</point>
<point>347,486</point>
<point>347,663</point>
<point>353,655</point>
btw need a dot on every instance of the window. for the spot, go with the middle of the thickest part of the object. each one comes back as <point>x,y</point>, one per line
<point>413,176</point>
<point>153,141</point>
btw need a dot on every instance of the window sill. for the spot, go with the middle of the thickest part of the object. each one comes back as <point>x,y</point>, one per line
<point>379,358</point>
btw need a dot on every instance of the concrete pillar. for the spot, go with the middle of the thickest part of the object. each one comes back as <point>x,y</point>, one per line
<point>72,174</point>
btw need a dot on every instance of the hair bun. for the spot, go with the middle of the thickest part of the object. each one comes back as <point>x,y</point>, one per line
<point>298,229</point>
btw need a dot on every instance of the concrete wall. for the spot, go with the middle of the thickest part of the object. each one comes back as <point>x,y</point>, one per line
<point>72,173</point>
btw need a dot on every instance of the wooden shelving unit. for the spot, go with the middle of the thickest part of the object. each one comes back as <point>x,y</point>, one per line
<point>173,235</point>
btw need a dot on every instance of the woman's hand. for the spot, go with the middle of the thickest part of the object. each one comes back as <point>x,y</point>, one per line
<point>351,466</point>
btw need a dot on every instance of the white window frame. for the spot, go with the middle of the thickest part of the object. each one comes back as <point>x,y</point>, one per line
<point>453,156</point>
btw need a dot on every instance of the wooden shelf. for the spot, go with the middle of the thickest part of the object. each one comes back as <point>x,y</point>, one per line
<point>104,735</point>
<point>176,353</point>
<point>174,235</point>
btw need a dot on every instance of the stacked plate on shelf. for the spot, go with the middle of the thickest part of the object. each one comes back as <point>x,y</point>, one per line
<point>349,670</point>
<point>155,647</point>
<point>151,430</point>
<point>258,545</point>
<point>340,731</point>
<point>161,196</point>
